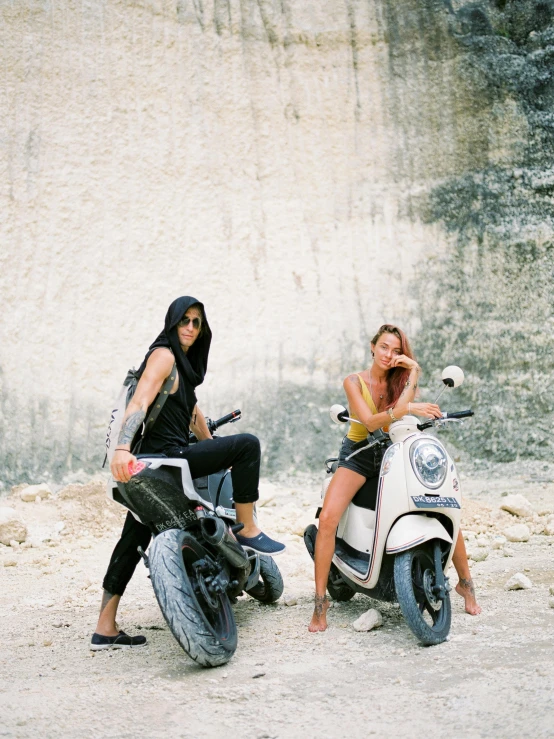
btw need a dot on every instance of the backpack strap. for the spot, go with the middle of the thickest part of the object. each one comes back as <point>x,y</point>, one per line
<point>160,400</point>
<point>131,382</point>
<point>156,408</point>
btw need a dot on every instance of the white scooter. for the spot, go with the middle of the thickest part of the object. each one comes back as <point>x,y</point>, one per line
<point>401,550</point>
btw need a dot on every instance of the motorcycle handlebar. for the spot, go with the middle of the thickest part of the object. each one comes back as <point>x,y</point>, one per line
<point>229,418</point>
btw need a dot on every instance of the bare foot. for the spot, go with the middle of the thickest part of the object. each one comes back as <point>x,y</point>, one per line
<point>467,591</point>
<point>319,619</point>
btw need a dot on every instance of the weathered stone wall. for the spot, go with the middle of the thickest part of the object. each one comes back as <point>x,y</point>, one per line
<point>307,170</point>
<point>495,315</point>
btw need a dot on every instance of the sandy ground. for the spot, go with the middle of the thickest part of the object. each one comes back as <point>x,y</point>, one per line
<point>494,678</point>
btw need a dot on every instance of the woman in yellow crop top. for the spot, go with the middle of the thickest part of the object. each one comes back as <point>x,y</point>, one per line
<point>382,393</point>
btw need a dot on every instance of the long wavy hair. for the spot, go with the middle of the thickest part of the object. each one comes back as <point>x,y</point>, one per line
<point>398,376</point>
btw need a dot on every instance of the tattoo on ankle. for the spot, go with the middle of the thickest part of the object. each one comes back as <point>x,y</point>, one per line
<point>106,598</point>
<point>467,585</point>
<point>320,601</point>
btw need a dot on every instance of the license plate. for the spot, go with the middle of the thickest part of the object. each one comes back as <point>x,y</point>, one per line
<point>181,521</point>
<point>434,501</point>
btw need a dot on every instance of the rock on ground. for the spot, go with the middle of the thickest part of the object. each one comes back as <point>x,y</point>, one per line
<point>369,620</point>
<point>12,528</point>
<point>32,492</point>
<point>517,532</point>
<point>519,581</point>
<point>518,505</point>
<point>478,554</point>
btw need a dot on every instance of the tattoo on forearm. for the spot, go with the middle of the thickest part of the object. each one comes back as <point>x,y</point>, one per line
<point>408,383</point>
<point>130,427</point>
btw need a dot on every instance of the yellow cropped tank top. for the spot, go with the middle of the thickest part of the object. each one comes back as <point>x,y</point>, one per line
<point>356,432</point>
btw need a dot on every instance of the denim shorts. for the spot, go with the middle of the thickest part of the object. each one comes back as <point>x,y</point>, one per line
<point>366,463</point>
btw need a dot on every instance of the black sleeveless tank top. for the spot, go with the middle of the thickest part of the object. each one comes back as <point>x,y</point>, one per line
<point>171,428</point>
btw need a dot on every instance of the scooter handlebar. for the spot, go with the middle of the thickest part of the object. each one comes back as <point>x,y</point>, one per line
<point>458,414</point>
<point>450,416</point>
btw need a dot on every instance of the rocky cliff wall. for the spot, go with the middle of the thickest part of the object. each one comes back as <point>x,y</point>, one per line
<point>308,171</point>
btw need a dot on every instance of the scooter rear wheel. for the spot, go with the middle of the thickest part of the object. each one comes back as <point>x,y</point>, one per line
<point>414,576</point>
<point>337,588</point>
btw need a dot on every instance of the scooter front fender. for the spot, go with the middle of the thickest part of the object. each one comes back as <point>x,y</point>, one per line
<point>414,529</point>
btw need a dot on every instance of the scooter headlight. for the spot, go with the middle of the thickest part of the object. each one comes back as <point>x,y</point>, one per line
<point>387,459</point>
<point>429,462</point>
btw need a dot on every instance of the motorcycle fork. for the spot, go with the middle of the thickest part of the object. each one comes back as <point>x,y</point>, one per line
<point>442,586</point>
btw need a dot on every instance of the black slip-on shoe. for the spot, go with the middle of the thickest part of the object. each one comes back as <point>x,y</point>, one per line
<point>262,544</point>
<point>121,641</point>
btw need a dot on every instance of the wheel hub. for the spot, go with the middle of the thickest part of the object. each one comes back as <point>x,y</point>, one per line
<point>204,582</point>
<point>209,597</point>
<point>428,589</point>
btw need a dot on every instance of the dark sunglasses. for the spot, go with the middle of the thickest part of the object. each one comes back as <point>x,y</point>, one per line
<point>185,320</point>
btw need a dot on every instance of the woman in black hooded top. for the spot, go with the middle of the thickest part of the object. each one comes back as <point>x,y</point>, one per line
<point>184,341</point>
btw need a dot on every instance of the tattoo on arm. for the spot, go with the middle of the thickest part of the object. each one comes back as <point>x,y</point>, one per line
<point>130,427</point>
<point>354,379</point>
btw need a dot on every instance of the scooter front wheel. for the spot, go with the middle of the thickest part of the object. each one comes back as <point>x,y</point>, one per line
<point>414,578</point>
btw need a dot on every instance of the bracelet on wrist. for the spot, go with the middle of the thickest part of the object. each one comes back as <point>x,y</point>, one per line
<point>121,449</point>
<point>393,418</point>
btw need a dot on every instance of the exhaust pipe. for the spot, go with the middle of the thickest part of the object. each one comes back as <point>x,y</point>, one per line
<point>216,533</point>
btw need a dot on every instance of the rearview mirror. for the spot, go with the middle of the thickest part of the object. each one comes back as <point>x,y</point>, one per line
<point>338,414</point>
<point>452,376</point>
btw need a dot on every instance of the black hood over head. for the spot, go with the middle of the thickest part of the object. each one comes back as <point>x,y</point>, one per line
<point>194,363</point>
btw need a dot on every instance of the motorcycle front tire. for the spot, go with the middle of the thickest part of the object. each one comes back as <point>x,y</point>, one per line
<point>430,625</point>
<point>208,636</point>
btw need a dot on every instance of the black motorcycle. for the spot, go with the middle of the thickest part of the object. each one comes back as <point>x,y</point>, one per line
<point>197,567</point>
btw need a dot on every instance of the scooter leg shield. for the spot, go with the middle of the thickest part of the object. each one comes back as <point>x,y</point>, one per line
<point>414,529</point>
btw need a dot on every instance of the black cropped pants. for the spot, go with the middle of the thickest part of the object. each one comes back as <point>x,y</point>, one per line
<point>241,452</point>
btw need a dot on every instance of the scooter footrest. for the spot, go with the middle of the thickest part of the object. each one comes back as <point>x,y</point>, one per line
<point>359,561</point>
